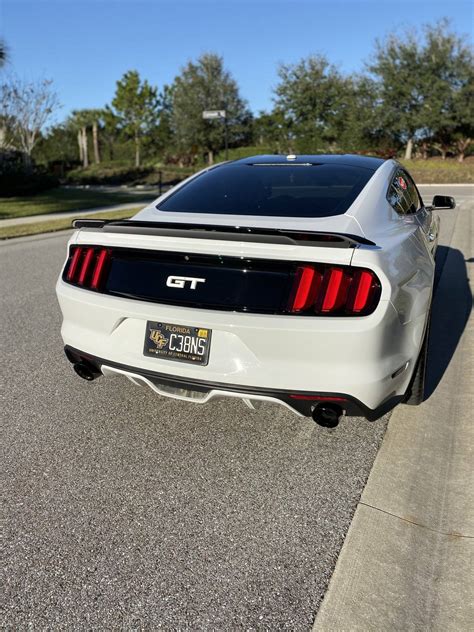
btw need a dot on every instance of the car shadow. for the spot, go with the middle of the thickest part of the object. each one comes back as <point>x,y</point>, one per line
<point>452,305</point>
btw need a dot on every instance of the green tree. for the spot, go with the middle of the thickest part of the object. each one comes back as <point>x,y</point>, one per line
<point>358,127</point>
<point>272,129</point>
<point>163,133</point>
<point>159,138</point>
<point>423,83</point>
<point>79,122</point>
<point>314,98</point>
<point>463,132</point>
<point>448,61</point>
<point>57,145</point>
<point>207,85</point>
<point>110,129</point>
<point>402,86</point>
<point>136,105</point>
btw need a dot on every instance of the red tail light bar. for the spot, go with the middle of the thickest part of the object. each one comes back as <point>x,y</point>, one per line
<point>318,289</point>
<point>87,266</point>
<point>307,285</point>
<point>335,291</point>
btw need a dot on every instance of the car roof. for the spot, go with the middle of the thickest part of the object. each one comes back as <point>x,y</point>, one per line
<point>352,160</point>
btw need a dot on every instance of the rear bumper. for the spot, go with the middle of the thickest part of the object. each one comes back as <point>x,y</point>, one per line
<point>358,358</point>
<point>201,392</point>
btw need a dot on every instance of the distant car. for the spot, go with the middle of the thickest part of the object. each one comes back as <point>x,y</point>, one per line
<point>300,280</point>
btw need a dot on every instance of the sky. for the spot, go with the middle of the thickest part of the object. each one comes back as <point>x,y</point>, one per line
<point>85,46</point>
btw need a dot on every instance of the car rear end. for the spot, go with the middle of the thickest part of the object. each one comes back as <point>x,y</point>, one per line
<point>198,311</point>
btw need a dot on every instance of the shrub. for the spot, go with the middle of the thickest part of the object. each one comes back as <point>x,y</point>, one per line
<point>17,180</point>
<point>103,175</point>
<point>106,174</point>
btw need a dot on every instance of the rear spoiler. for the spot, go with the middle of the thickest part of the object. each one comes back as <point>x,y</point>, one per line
<point>225,233</point>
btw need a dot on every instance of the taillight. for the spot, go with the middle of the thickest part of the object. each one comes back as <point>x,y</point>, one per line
<point>87,266</point>
<point>307,285</point>
<point>99,269</point>
<point>364,284</point>
<point>334,290</point>
<point>73,264</point>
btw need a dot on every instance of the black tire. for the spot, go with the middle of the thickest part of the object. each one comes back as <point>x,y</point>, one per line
<point>415,394</point>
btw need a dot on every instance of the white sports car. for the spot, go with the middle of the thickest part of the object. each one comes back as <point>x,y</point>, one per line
<point>301,280</point>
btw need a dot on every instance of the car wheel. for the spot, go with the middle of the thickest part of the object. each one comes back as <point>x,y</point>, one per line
<point>416,390</point>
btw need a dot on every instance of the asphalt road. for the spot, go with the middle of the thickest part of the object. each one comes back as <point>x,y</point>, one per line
<point>128,510</point>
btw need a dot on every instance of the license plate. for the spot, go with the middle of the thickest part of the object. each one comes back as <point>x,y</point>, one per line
<point>177,342</point>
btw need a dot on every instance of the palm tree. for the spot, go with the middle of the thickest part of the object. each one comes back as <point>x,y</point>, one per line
<point>82,121</point>
<point>95,119</point>
<point>109,129</point>
<point>79,122</point>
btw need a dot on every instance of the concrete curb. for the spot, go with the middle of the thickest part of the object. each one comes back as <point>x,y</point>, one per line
<point>407,560</point>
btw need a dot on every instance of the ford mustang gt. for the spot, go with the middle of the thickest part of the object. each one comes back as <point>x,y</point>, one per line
<point>300,280</point>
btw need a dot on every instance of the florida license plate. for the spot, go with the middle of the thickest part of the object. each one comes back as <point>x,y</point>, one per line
<point>177,342</point>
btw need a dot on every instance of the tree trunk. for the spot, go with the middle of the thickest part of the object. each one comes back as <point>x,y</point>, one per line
<point>409,149</point>
<point>442,148</point>
<point>424,151</point>
<point>85,152</point>
<point>210,157</point>
<point>95,139</point>
<point>462,145</point>
<point>27,162</point>
<point>137,150</point>
<point>79,144</point>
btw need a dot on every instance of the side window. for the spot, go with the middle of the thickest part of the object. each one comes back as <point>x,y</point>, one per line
<point>403,195</point>
<point>416,201</point>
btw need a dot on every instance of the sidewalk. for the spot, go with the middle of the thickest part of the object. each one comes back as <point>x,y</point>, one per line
<point>408,558</point>
<point>33,219</point>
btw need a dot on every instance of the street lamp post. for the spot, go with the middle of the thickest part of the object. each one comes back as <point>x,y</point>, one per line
<point>220,115</point>
<point>225,139</point>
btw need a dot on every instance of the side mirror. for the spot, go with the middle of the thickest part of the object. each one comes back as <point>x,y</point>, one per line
<point>443,201</point>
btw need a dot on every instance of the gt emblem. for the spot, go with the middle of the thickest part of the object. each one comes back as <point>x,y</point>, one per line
<point>157,337</point>
<point>180,282</point>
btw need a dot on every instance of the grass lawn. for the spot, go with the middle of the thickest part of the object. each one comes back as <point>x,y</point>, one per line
<point>66,199</point>
<point>434,171</point>
<point>34,228</point>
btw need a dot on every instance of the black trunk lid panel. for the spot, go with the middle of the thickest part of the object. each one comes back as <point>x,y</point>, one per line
<point>230,283</point>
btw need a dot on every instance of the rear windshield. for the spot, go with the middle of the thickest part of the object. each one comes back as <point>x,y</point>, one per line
<point>273,190</point>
